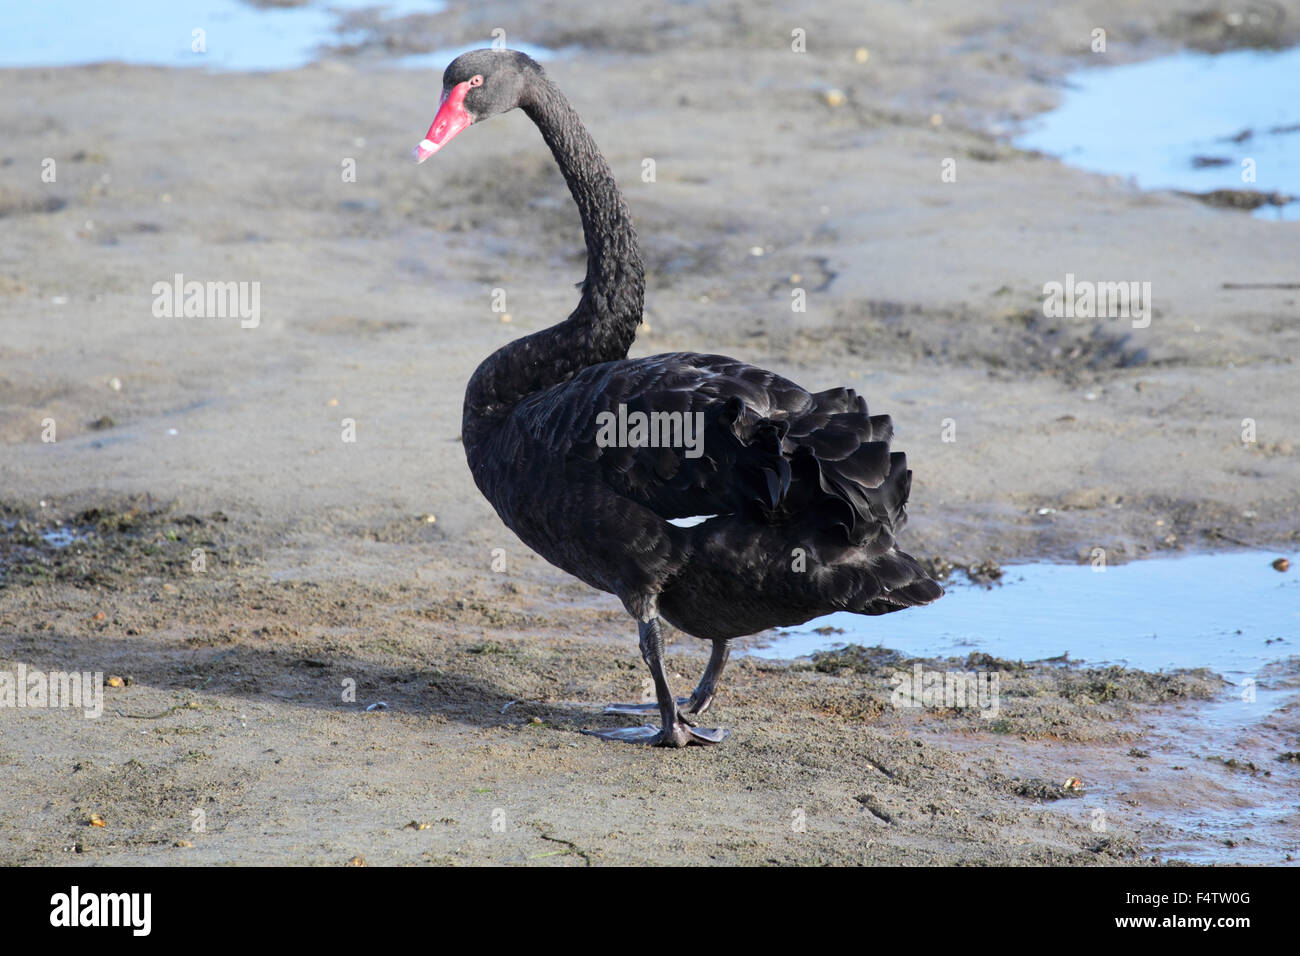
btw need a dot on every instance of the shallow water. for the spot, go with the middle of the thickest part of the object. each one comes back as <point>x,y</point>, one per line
<point>238,36</point>
<point>1219,611</point>
<point>1247,814</point>
<point>1232,613</point>
<point>63,536</point>
<point>1152,120</point>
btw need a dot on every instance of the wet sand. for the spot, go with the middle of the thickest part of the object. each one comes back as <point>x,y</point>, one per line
<point>322,563</point>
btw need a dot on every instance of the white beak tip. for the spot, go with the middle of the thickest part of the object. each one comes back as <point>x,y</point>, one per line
<point>424,150</point>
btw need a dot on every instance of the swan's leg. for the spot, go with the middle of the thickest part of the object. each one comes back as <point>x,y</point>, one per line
<point>634,710</point>
<point>673,731</point>
<point>703,696</point>
<point>699,701</point>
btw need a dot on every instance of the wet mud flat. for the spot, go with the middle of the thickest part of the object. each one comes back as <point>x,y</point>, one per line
<point>461,742</point>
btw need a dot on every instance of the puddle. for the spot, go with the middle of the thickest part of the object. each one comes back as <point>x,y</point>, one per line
<point>64,536</point>
<point>1177,122</point>
<point>238,35</point>
<point>1232,613</point>
<point>22,542</point>
<point>1242,814</point>
<point>58,537</point>
<point>1207,610</point>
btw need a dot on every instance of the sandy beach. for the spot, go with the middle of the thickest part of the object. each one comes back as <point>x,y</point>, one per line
<point>328,564</point>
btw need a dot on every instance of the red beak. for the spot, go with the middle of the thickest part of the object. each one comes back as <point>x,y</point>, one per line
<point>451,119</point>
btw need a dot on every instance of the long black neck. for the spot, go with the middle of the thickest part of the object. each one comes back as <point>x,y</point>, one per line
<point>603,325</point>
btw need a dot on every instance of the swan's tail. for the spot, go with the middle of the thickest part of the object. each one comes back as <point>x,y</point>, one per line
<point>829,467</point>
<point>781,575</point>
<point>892,582</point>
<point>831,495</point>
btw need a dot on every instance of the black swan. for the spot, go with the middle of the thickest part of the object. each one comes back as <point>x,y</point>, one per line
<point>589,456</point>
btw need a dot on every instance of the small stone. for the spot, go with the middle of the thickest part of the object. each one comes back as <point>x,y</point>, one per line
<point>833,97</point>
<point>1281,564</point>
<point>861,55</point>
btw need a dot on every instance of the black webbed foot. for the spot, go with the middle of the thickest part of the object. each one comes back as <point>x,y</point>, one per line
<point>674,730</point>
<point>680,734</point>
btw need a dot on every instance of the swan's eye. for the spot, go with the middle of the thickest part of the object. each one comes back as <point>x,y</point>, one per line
<point>476,80</point>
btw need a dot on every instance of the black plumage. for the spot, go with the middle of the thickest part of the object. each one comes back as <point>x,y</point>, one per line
<point>806,494</point>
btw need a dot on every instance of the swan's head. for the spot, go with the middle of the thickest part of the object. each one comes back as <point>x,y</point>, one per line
<point>477,85</point>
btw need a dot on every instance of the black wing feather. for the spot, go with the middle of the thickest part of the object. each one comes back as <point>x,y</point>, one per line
<point>771,449</point>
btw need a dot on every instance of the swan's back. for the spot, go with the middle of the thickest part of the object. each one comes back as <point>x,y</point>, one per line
<point>806,492</point>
